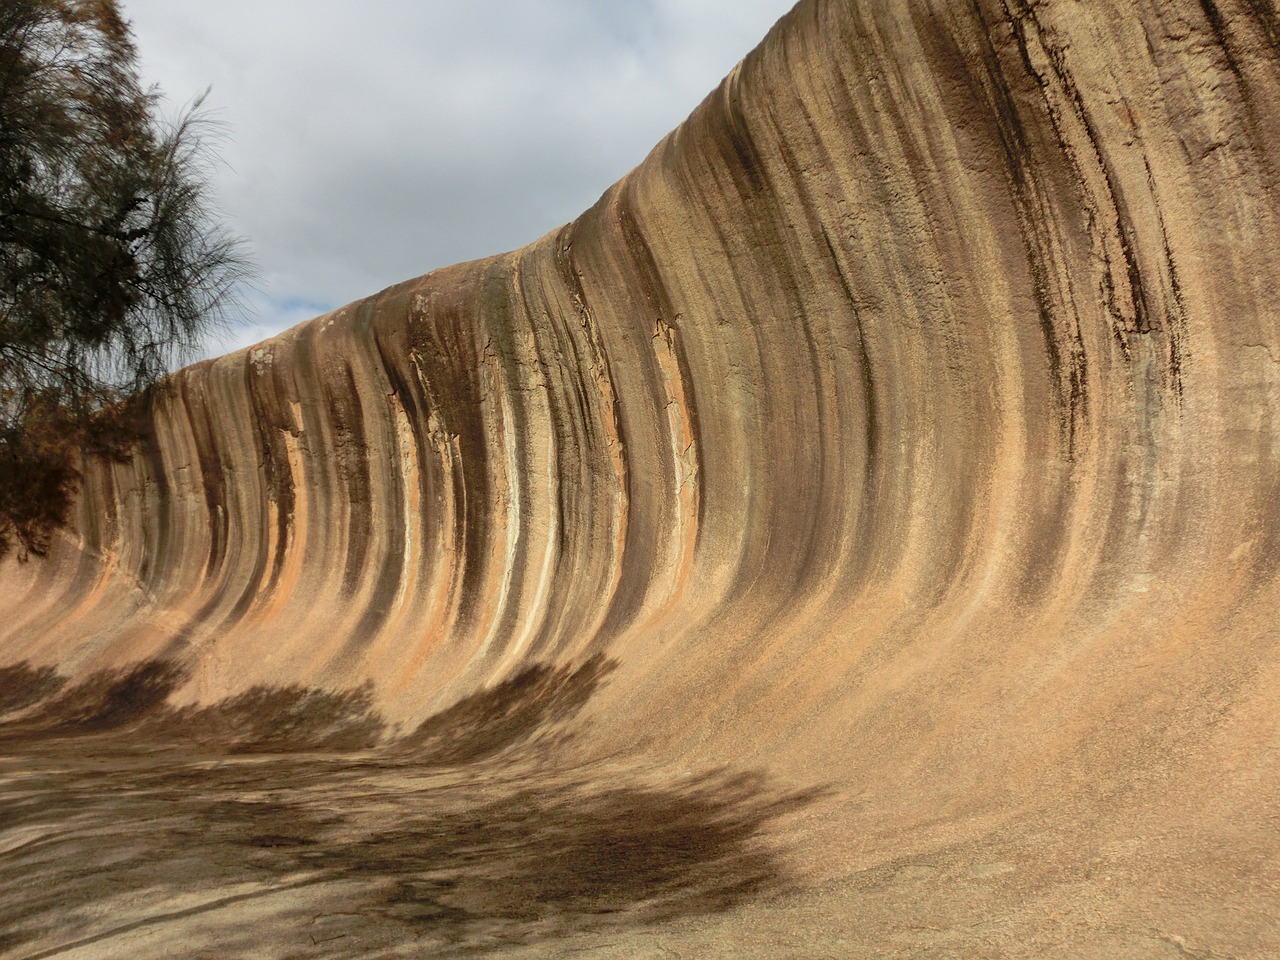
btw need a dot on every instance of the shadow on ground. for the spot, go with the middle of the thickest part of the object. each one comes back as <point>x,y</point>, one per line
<point>126,823</point>
<point>132,704</point>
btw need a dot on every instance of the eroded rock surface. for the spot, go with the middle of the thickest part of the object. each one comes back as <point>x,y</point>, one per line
<point>887,469</point>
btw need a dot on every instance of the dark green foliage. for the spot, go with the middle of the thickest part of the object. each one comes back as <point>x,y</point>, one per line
<point>110,266</point>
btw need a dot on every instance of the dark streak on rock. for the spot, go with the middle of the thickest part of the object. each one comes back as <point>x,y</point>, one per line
<point>1028,196</point>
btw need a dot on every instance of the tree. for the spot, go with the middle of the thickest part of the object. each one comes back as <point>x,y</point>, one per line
<point>111,266</point>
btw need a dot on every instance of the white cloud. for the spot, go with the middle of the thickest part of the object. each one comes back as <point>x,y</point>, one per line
<point>372,141</point>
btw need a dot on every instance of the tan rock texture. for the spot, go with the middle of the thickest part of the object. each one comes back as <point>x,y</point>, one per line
<point>903,431</point>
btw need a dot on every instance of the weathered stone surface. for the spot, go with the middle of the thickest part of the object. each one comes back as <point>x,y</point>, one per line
<point>904,427</point>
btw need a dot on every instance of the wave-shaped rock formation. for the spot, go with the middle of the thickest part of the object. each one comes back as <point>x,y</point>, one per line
<point>864,517</point>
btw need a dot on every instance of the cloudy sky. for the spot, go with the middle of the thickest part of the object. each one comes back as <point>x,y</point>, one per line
<point>369,141</point>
